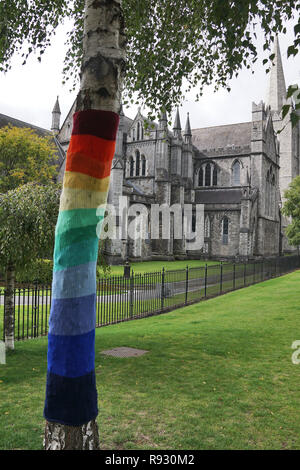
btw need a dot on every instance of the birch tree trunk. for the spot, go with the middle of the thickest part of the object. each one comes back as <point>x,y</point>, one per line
<point>99,99</point>
<point>9,318</point>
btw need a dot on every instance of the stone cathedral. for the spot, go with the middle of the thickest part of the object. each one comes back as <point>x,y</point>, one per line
<point>239,172</point>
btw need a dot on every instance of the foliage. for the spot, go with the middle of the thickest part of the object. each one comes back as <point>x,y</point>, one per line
<point>103,268</point>
<point>170,42</point>
<point>25,157</point>
<point>28,216</point>
<point>39,270</point>
<point>291,208</point>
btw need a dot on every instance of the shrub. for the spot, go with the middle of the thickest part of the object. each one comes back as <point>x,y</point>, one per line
<point>39,271</point>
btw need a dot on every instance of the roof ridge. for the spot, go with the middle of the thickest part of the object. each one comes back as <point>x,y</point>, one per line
<point>25,122</point>
<point>222,125</point>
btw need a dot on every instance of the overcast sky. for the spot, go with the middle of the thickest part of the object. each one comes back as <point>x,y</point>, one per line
<point>29,92</point>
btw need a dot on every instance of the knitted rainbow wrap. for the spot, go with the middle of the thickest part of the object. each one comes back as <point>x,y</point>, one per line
<point>71,395</point>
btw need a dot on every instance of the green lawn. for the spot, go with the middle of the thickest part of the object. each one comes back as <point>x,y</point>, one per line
<point>153,266</point>
<point>218,375</point>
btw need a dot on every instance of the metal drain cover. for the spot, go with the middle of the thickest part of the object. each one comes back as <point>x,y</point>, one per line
<point>124,352</point>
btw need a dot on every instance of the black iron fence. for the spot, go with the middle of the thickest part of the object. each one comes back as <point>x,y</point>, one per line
<point>141,295</point>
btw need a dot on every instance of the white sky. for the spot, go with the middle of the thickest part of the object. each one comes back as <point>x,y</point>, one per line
<point>29,92</point>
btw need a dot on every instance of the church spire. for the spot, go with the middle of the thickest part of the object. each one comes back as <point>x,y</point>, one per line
<point>163,121</point>
<point>277,87</point>
<point>56,113</point>
<point>187,132</point>
<point>177,125</point>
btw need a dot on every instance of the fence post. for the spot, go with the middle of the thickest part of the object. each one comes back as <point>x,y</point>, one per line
<point>221,277</point>
<point>253,272</point>
<point>245,274</point>
<point>4,304</point>
<point>234,276</point>
<point>162,288</point>
<point>34,307</point>
<point>279,266</point>
<point>186,283</point>
<point>205,281</point>
<point>131,294</point>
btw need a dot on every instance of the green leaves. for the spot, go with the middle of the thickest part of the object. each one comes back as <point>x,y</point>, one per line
<point>25,157</point>
<point>291,209</point>
<point>292,50</point>
<point>28,216</point>
<point>173,45</point>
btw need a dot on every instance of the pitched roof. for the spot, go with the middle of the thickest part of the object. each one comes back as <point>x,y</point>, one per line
<point>127,122</point>
<point>5,120</point>
<point>229,135</point>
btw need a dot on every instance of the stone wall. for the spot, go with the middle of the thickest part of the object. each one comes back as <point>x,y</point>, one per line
<point>217,247</point>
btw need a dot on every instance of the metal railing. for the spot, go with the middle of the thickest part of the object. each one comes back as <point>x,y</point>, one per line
<point>121,299</point>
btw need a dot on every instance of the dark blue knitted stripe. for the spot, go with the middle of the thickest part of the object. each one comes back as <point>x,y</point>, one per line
<point>71,401</point>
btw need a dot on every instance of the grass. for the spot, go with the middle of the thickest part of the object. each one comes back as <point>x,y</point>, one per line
<point>218,375</point>
<point>153,266</point>
<point>31,323</point>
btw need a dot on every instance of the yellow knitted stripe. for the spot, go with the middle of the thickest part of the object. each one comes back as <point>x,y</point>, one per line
<point>82,181</point>
<point>81,199</point>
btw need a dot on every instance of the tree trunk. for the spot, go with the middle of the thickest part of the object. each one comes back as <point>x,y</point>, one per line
<point>62,437</point>
<point>9,318</point>
<point>71,396</point>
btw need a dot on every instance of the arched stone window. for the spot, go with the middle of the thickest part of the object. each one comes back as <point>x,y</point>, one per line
<point>267,195</point>
<point>137,163</point>
<point>208,175</point>
<point>236,173</point>
<point>207,227</point>
<point>194,222</point>
<point>131,166</point>
<point>143,165</point>
<point>273,196</point>
<point>200,177</point>
<point>138,131</point>
<point>207,181</point>
<point>225,230</point>
<point>270,193</point>
<point>215,176</point>
<point>142,132</point>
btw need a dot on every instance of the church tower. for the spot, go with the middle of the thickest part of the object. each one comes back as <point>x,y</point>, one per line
<point>277,88</point>
<point>115,248</point>
<point>289,136</point>
<point>187,166</point>
<point>177,185</point>
<point>56,113</point>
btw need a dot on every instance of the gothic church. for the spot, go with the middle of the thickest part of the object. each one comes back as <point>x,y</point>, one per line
<point>239,172</point>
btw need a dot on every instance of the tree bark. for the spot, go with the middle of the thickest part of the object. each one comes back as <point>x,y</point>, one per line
<point>62,437</point>
<point>100,89</point>
<point>9,317</point>
<point>103,56</point>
